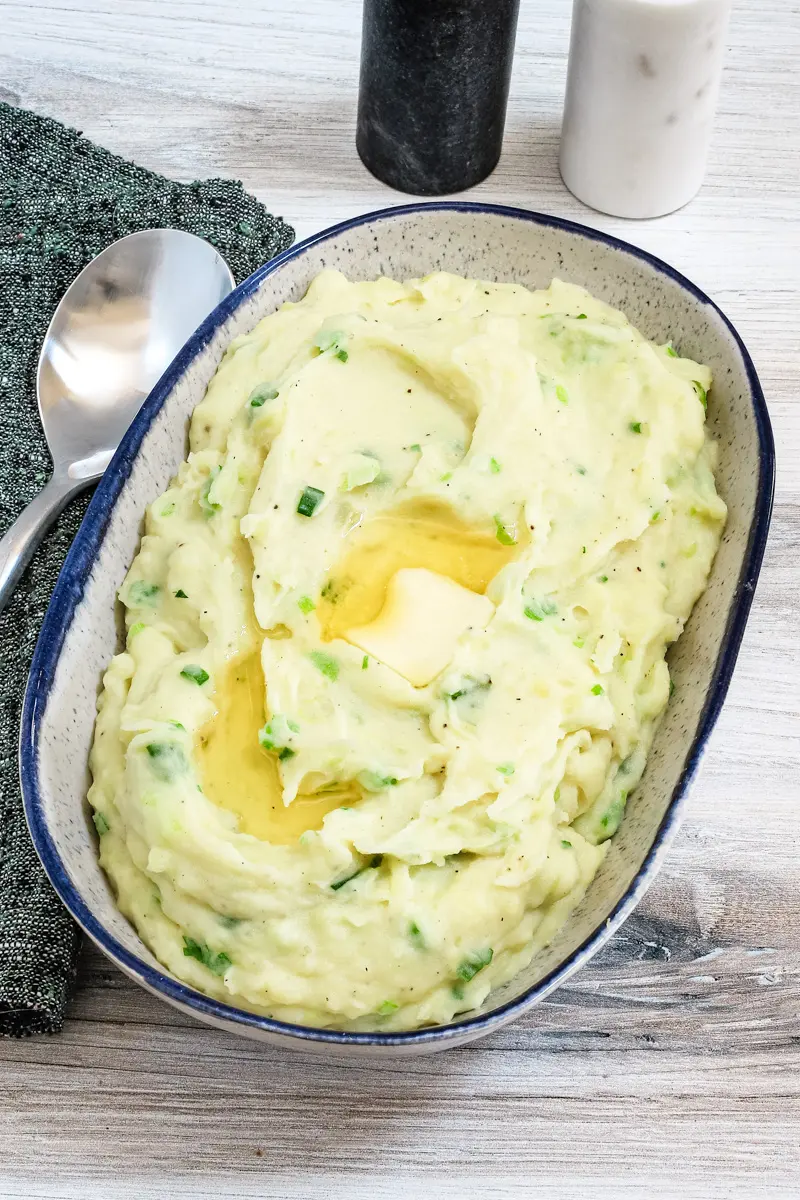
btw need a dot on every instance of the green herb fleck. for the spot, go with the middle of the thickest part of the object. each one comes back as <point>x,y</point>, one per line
<point>167,510</point>
<point>276,733</point>
<point>567,845</point>
<point>229,922</point>
<point>502,534</point>
<point>261,394</point>
<point>655,517</point>
<point>602,579</point>
<point>537,610</point>
<point>181,594</point>
<point>371,781</point>
<point>581,317</point>
<point>306,604</point>
<point>581,470</point>
<point>218,963</point>
<point>611,818</point>
<point>416,935</point>
<point>326,664</point>
<point>702,394</point>
<point>196,674</point>
<point>598,690</point>
<point>579,642</point>
<point>469,685</point>
<point>562,394</point>
<point>100,823</point>
<point>671,688</point>
<point>387,1008</point>
<point>167,760</point>
<point>473,963</point>
<point>494,466</point>
<point>416,447</point>
<point>134,629</point>
<point>342,355</point>
<point>143,593</point>
<point>365,662</point>
<point>309,501</point>
<point>672,353</point>
<point>506,769</point>
<point>635,427</point>
<point>208,505</point>
<point>330,339</point>
<point>373,864</point>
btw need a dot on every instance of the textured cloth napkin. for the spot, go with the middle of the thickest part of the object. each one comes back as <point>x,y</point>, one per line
<point>62,201</point>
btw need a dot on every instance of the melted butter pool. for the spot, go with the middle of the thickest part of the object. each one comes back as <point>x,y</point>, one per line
<point>419,533</point>
<point>238,775</point>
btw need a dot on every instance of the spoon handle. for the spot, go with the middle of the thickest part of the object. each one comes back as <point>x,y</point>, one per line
<point>18,544</point>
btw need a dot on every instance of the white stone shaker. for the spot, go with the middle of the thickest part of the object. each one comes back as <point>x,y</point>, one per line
<point>642,89</point>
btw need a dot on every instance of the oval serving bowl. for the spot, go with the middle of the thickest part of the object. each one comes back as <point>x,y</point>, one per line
<point>82,628</point>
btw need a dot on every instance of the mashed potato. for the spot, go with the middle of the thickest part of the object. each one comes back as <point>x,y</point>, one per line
<point>395,644</point>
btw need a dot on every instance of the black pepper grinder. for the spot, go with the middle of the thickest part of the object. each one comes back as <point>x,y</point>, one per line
<point>433,91</point>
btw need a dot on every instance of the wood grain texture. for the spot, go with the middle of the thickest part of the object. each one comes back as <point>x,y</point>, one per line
<point>671,1065</point>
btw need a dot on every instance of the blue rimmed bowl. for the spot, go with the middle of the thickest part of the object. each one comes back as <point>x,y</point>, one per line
<point>82,628</point>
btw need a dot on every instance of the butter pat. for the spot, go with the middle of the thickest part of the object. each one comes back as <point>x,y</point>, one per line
<point>417,630</point>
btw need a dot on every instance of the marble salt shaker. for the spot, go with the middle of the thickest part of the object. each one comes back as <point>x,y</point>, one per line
<point>642,89</point>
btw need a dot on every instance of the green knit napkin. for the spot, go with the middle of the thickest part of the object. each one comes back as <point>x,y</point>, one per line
<point>62,200</point>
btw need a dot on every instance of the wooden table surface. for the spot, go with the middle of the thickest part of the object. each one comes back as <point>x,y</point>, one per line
<point>671,1065</point>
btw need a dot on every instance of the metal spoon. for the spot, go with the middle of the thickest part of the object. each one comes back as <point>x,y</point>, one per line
<point>117,328</point>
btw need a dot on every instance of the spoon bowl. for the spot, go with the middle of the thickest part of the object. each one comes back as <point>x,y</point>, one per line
<point>117,327</point>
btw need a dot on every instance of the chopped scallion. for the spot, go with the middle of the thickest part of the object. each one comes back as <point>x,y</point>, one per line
<point>208,505</point>
<point>196,674</point>
<point>261,394</point>
<point>537,610</point>
<point>473,963</point>
<point>503,536</point>
<point>143,593</point>
<point>373,864</point>
<point>218,963</point>
<point>416,935</point>
<point>325,663</point>
<point>371,781</point>
<point>309,501</point>
<point>167,760</point>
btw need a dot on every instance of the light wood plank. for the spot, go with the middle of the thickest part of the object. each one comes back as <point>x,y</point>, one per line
<point>669,1066</point>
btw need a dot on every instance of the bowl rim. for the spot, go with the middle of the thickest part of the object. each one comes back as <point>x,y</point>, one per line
<point>69,589</point>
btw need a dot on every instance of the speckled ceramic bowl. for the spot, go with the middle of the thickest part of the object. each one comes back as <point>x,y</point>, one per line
<point>82,627</point>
